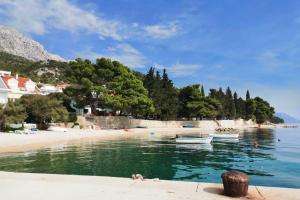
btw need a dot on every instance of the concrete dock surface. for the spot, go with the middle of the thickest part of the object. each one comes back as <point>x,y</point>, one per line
<point>17,186</point>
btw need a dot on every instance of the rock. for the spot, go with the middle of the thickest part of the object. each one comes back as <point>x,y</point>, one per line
<point>14,42</point>
<point>137,177</point>
<point>235,183</point>
<point>133,176</point>
<point>140,177</point>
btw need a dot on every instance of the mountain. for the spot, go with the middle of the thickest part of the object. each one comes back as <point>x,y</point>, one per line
<point>287,118</point>
<point>14,42</point>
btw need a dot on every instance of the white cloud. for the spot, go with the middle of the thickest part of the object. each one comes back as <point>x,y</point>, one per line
<point>123,53</point>
<point>180,69</point>
<point>37,16</point>
<point>40,16</point>
<point>161,31</point>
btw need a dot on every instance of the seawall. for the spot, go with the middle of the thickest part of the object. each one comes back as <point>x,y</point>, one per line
<point>111,122</point>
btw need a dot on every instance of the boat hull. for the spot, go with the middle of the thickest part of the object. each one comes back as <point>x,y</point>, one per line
<point>225,136</point>
<point>186,140</point>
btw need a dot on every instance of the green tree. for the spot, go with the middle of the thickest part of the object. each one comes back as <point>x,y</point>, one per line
<point>250,109</point>
<point>43,110</point>
<point>163,94</point>
<point>241,104</point>
<point>188,96</point>
<point>108,84</point>
<point>12,113</point>
<point>120,89</point>
<point>66,101</point>
<point>193,104</point>
<point>236,105</point>
<point>169,102</point>
<point>202,91</point>
<point>247,95</point>
<point>221,97</point>
<point>263,112</point>
<point>206,107</point>
<point>82,89</point>
<point>229,106</point>
<point>152,82</point>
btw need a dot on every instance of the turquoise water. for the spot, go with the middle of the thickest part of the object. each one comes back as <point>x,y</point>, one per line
<point>266,160</point>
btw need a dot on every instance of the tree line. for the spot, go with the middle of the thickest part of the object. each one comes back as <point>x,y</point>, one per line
<point>191,101</point>
<point>110,84</point>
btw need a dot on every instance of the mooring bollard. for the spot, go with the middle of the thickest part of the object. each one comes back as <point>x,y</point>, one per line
<point>235,183</point>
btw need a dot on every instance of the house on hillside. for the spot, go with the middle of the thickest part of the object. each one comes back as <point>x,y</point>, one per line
<point>13,87</point>
<point>49,89</point>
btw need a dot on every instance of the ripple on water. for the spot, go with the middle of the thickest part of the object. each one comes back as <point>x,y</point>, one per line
<point>257,153</point>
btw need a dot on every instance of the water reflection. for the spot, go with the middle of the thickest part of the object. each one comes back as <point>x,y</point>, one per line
<point>204,147</point>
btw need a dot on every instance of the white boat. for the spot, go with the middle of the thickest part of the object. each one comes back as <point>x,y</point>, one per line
<point>194,140</point>
<point>225,135</point>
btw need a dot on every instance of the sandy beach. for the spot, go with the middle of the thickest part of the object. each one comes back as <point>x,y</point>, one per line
<point>10,143</point>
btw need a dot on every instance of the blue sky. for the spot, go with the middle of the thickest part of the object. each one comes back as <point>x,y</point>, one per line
<point>250,44</point>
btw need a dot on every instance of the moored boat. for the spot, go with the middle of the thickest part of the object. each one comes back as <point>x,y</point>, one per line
<point>225,135</point>
<point>194,140</point>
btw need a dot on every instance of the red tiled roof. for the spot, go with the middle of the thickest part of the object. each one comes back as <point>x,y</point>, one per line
<point>21,80</point>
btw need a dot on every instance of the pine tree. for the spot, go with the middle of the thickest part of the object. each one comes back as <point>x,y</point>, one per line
<point>220,96</point>
<point>242,107</point>
<point>169,103</point>
<point>149,81</point>
<point>157,95</point>
<point>202,91</point>
<point>248,95</point>
<point>189,95</point>
<point>229,106</point>
<point>237,105</point>
<point>250,109</point>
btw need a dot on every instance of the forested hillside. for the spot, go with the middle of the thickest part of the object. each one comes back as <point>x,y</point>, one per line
<point>42,71</point>
<point>108,83</point>
<point>10,62</point>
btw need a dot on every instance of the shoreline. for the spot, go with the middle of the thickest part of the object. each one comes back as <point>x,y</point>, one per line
<point>14,143</point>
<point>53,186</point>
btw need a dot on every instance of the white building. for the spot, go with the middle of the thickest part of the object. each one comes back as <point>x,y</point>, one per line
<point>13,87</point>
<point>48,89</point>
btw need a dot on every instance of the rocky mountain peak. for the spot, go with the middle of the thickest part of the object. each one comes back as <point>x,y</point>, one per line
<point>14,42</point>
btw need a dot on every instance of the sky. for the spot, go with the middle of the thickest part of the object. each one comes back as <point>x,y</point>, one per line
<point>250,44</point>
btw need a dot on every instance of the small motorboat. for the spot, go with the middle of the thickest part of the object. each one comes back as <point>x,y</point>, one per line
<point>194,140</point>
<point>187,126</point>
<point>225,135</point>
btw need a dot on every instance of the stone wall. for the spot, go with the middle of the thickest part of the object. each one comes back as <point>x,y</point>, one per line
<point>111,122</point>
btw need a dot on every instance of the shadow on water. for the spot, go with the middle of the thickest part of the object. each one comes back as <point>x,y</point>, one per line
<point>255,154</point>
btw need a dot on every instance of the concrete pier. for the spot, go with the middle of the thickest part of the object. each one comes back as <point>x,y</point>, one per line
<point>17,186</point>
